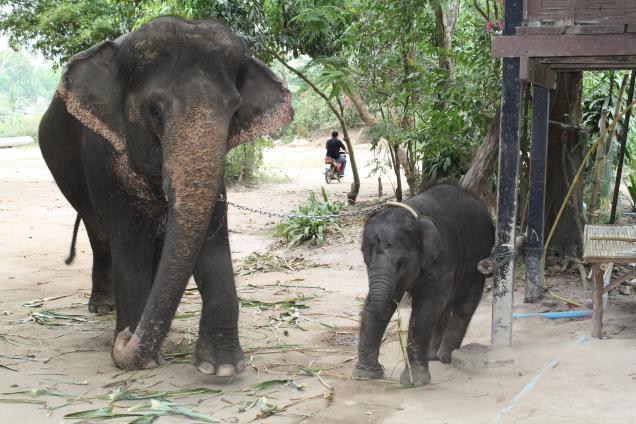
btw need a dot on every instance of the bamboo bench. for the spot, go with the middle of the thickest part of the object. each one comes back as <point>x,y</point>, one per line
<point>603,245</point>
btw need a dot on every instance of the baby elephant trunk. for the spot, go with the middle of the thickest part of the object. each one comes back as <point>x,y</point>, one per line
<point>381,295</point>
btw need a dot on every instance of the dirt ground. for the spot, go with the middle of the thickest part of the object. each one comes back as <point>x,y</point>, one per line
<point>307,340</point>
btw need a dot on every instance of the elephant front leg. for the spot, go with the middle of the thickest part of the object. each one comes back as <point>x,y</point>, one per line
<point>424,316</point>
<point>371,332</point>
<point>218,350</point>
<point>132,253</point>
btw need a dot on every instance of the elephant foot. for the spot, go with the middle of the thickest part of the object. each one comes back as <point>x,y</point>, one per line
<point>445,355</point>
<point>432,355</point>
<point>368,372</point>
<point>219,355</point>
<point>101,304</point>
<point>417,375</point>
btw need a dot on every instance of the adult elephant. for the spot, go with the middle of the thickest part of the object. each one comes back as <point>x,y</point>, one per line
<point>136,137</point>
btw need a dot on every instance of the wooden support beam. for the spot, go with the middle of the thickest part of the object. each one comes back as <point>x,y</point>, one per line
<point>503,278</point>
<point>625,278</point>
<point>591,61</point>
<point>564,45</point>
<point>536,195</point>
<point>533,71</point>
<point>597,300</point>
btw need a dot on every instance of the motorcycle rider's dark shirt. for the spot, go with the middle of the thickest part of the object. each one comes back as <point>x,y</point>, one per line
<point>333,148</point>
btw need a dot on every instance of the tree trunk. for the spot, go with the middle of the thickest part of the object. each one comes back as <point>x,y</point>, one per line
<point>446,14</point>
<point>481,167</point>
<point>565,153</point>
<point>394,151</point>
<point>366,116</point>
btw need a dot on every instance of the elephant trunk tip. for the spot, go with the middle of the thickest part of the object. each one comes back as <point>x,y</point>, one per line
<point>127,353</point>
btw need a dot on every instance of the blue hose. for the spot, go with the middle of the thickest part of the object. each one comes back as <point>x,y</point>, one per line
<point>553,315</point>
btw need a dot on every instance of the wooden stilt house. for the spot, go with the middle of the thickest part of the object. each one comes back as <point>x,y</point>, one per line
<point>540,38</point>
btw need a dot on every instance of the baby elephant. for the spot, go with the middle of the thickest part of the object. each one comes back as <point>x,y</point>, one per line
<point>428,247</point>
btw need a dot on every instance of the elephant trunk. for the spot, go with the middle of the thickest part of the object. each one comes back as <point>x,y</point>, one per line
<point>194,150</point>
<point>381,296</point>
<point>375,317</point>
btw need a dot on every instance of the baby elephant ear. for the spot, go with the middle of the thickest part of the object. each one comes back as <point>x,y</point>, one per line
<point>265,104</point>
<point>91,89</point>
<point>430,241</point>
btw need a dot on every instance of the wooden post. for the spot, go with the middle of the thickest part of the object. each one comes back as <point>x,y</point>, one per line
<point>536,195</point>
<point>621,152</point>
<point>507,187</point>
<point>597,300</point>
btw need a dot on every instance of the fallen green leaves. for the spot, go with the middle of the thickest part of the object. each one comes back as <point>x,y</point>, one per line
<point>294,302</point>
<point>48,318</point>
<point>147,412</point>
<point>36,303</point>
<point>264,385</point>
<point>269,262</point>
<point>121,393</point>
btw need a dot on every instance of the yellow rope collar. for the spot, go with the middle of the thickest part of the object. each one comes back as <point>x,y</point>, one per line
<point>404,206</point>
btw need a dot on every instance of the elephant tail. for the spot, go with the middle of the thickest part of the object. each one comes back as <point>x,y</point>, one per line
<point>71,255</point>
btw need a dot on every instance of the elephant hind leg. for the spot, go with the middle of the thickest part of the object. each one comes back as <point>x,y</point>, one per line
<point>60,143</point>
<point>438,335</point>
<point>102,300</point>
<point>461,314</point>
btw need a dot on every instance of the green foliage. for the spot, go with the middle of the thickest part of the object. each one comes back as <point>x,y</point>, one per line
<point>243,164</point>
<point>385,52</point>
<point>631,187</point>
<point>600,93</point>
<point>26,87</point>
<point>311,222</point>
<point>22,82</point>
<point>392,57</point>
<point>20,125</point>
<point>59,29</point>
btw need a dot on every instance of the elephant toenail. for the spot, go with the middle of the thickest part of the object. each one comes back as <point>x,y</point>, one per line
<point>240,366</point>
<point>103,310</point>
<point>206,368</point>
<point>225,371</point>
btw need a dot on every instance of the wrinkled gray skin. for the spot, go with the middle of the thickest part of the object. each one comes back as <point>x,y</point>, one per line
<point>136,137</point>
<point>434,258</point>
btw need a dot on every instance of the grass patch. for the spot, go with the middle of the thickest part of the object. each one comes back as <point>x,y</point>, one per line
<point>311,222</point>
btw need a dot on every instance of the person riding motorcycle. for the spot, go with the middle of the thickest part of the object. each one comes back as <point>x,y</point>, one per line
<point>333,147</point>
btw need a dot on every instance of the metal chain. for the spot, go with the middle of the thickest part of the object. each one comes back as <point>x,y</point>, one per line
<point>295,215</point>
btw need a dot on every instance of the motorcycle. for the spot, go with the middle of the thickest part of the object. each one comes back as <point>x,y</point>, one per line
<point>332,170</point>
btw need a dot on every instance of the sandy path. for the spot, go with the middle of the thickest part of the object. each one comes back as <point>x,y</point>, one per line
<point>594,381</point>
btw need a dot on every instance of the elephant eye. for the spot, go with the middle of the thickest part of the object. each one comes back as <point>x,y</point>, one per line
<point>155,116</point>
<point>154,111</point>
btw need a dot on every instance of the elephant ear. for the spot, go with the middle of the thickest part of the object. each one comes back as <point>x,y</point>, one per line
<point>430,241</point>
<point>91,89</point>
<point>265,104</point>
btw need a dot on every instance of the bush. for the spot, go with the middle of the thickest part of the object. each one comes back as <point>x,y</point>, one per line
<point>311,222</point>
<point>243,163</point>
<point>20,125</point>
